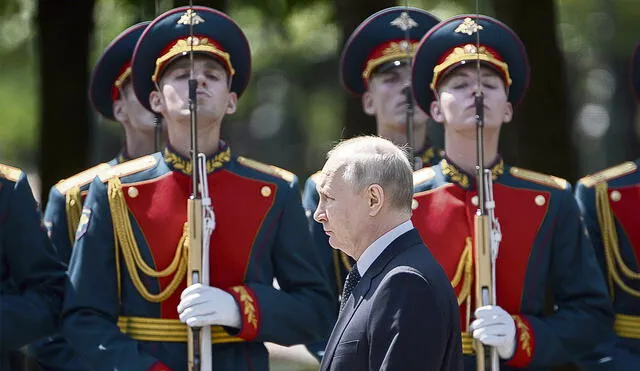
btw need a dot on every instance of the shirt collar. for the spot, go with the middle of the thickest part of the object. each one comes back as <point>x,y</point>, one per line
<point>378,246</point>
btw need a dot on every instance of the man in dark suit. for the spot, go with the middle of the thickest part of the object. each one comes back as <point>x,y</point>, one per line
<point>399,311</point>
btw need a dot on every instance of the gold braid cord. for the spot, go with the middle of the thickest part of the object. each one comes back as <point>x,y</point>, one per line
<point>465,266</point>
<point>125,241</point>
<point>73,209</point>
<point>615,263</point>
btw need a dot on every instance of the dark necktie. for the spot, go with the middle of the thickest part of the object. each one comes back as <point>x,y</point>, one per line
<point>352,280</point>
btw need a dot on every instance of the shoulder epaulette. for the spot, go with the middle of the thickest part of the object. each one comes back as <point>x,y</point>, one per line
<point>315,177</point>
<point>268,169</point>
<point>129,167</point>
<point>423,175</point>
<point>609,174</point>
<point>9,172</point>
<point>544,179</point>
<point>81,179</point>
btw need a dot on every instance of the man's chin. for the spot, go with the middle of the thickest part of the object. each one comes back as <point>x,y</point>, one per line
<point>338,246</point>
<point>202,115</point>
<point>400,124</point>
<point>334,244</point>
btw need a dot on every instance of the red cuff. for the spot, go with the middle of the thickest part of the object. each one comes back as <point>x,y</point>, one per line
<point>525,343</point>
<point>159,366</point>
<point>249,311</point>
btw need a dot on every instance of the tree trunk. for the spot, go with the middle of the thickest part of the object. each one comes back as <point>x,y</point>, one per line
<point>540,137</point>
<point>64,31</point>
<point>349,14</point>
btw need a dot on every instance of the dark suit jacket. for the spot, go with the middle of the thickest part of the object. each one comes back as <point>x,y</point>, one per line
<point>403,315</point>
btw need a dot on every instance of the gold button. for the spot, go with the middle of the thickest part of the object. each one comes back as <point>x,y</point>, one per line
<point>616,196</point>
<point>265,191</point>
<point>540,200</point>
<point>474,200</point>
<point>72,203</point>
<point>132,192</point>
<point>414,204</point>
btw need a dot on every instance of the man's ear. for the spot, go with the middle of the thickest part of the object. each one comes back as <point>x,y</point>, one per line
<point>436,111</point>
<point>375,198</point>
<point>120,110</point>
<point>368,105</point>
<point>232,103</point>
<point>156,101</point>
<point>508,113</point>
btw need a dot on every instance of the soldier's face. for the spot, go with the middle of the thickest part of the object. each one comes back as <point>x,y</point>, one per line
<point>342,210</point>
<point>138,117</point>
<point>455,105</point>
<point>214,100</point>
<point>386,99</point>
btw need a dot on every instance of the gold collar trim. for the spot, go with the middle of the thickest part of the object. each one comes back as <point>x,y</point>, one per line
<point>430,156</point>
<point>458,176</point>
<point>183,165</point>
<point>122,157</point>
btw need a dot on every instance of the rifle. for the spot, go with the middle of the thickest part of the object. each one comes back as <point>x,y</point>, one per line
<point>201,223</point>
<point>486,232</point>
<point>416,162</point>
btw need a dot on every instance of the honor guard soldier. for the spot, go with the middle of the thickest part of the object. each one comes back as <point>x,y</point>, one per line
<point>610,201</point>
<point>542,241</point>
<point>31,275</point>
<point>111,94</point>
<point>127,303</point>
<point>376,65</point>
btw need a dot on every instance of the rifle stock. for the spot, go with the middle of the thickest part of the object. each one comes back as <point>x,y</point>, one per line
<point>201,222</point>
<point>194,274</point>
<point>486,357</point>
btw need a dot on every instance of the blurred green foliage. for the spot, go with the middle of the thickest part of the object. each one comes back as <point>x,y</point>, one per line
<point>18,83</point>
<point>293,109</point>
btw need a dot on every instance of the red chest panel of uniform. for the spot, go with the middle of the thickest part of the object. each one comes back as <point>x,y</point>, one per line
<point>626,212</point>
<point>240,207</point>
<point>445,216</point>
<point>442,220</point>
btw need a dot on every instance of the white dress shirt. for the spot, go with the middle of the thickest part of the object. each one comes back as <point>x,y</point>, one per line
<point>377,247</point>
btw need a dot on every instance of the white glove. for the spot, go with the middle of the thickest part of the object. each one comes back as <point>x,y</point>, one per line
<point>495,327</point>
<point>202,305</point>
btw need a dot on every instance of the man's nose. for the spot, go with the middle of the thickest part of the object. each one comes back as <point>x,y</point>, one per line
<point>406,90</point>
<point>476,87</point>
<point>319,215</point>
<point>200,78</point>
